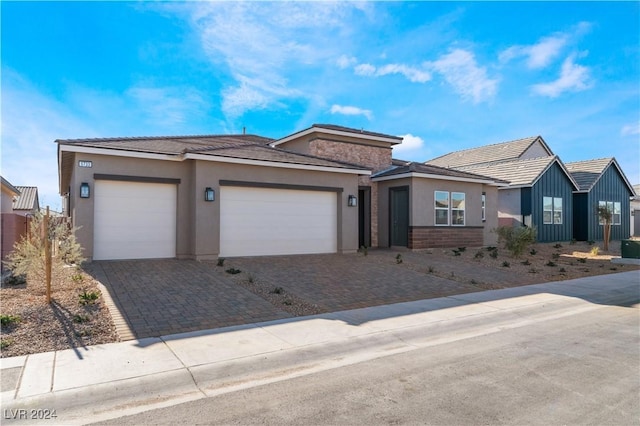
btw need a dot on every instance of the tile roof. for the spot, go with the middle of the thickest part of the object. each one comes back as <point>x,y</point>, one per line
<point>433,170</point>
<point>168,144</point>
<point>586,173</point>
<point>28,198</point>
<point>517,173</point>
<point>505,151</point>
<point>247,147</point>
<point>267,153</point>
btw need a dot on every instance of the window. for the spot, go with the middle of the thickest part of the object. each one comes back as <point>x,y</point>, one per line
<point>552,210</point>
<point>442,207</point>
<point>450,205</point>
<point>615,207</point>
<point>484,206</point>
<point>457,208</point>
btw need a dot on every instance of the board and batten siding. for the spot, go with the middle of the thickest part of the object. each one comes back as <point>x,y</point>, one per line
<point>610,187</point>
<point>553,183</point>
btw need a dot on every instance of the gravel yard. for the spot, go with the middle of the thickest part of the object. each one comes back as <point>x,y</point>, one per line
<point>31,325</point>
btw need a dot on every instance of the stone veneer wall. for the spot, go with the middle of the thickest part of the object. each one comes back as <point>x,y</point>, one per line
<point>422,237</point>
<point>377,158</point>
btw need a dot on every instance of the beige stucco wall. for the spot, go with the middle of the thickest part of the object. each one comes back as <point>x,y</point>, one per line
<point>421,205</point>
<point>198,231</point>
<point>509,205</point>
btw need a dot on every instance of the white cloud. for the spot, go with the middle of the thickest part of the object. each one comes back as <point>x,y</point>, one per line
<point>412,74</point>
<point>409,143</point>
<point>630,129</point>
<point>460,69</point>
<point>538,55</point>
<point>542,53</point>
<point>262,44</point>
<point>345,61</point>
<point>351,110</point>
<point>573,78</point>
<point>169,106</point>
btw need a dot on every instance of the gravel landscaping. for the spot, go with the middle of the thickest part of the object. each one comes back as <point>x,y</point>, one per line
<point>31,325</point>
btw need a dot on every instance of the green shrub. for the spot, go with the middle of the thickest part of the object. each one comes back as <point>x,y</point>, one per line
<point>277,290</point>
<point>533,252</point>
<point>582,260</point>
<point>220,261</point>
<point>557,245</point>
<point>526,262</point>
<point>398,258</point>
<point>550,263</point>
<point>516,239</point>
<point>479,255</point>
<point>494,254</point>
<point>6,320</point>
<point>506,264</point>
<point>555,256</point>
<point>88,298</point>
<point>233,271</point>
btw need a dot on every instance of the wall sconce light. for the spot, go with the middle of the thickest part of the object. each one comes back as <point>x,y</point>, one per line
<point>209,194</point>
<point>84,190</point>
<point>352,201</point>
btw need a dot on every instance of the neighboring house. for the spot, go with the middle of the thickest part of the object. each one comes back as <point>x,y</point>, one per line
<point>27,202</point>
<point>539,190</point>
<point>601,183</point>
<point>13,225</point>
<point>204,197</point>
<point>635,212</point>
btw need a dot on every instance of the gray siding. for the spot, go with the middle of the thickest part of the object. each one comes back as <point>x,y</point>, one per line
<point>610,187</point>
<point>553,183</point>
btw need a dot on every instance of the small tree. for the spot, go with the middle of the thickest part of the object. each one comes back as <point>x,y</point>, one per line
<point>28,255</point>
<point>516,238</point>
<point>605,215</point>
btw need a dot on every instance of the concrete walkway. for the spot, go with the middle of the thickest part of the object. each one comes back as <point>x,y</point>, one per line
<point>106,381</point>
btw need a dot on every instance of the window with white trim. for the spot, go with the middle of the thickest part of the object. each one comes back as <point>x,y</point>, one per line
<point>442,207</point>
<point>449,208</point>
<point>615,207</point>
<point>552,210</point>
<point>457,208</point>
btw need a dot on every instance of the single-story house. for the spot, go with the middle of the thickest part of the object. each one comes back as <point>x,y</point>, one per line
<point>14,224</point>
<point>602,183</point>
<point>204,197</point>
<point>27,203</point>
<point>635,212</point>
<point>539,191</point>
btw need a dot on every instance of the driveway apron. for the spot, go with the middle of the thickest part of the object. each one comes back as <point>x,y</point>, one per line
<point>161,297</point>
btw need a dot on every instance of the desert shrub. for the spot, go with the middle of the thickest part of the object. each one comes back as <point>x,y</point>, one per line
<point>28,255</point>
<point>516,239</point>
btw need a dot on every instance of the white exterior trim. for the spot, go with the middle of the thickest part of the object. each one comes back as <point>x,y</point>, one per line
<point>334,132</point>
<point>266,163</point>
<point>440,177</point>
<point>119,153</point>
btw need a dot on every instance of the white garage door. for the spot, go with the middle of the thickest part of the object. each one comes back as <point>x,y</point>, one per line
<point>263,221</point>
<point>134,220</point>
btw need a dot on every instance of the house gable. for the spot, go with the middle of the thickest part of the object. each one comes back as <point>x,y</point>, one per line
<point>520,149</point>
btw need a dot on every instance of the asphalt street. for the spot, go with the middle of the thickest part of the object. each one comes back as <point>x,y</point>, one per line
<point>579,368</point>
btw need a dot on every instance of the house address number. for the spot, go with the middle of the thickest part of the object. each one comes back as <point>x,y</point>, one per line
<point>85,163</point>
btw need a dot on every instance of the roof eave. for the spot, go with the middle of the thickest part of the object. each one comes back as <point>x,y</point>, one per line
<point>314,129</point>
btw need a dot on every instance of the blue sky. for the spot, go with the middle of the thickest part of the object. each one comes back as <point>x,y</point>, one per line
<point>445,75</point>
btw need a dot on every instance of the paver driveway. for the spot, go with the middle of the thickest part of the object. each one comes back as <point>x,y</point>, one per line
<point>161,297</point>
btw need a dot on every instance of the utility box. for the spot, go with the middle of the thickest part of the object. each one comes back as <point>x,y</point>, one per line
<point>630,249</point>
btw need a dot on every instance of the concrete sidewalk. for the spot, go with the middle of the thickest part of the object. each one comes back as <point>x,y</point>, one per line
<point>106,381</point>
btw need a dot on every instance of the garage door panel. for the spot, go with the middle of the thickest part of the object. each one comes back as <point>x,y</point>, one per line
<point>134,220</point>
<point>263,221</point>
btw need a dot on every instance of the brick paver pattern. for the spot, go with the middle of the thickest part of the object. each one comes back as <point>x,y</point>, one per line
<point>161,297</point>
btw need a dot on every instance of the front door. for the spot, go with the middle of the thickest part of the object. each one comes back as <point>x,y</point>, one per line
<point>364,217</point>
<point>399,216</point>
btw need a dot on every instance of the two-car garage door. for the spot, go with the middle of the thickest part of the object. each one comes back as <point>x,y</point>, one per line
<point>137,220</point>
<point>134,220</point>
<point>270,221</point>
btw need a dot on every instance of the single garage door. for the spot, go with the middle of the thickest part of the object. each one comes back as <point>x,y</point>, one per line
<point>134,220</point>
<point>265,221</point>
